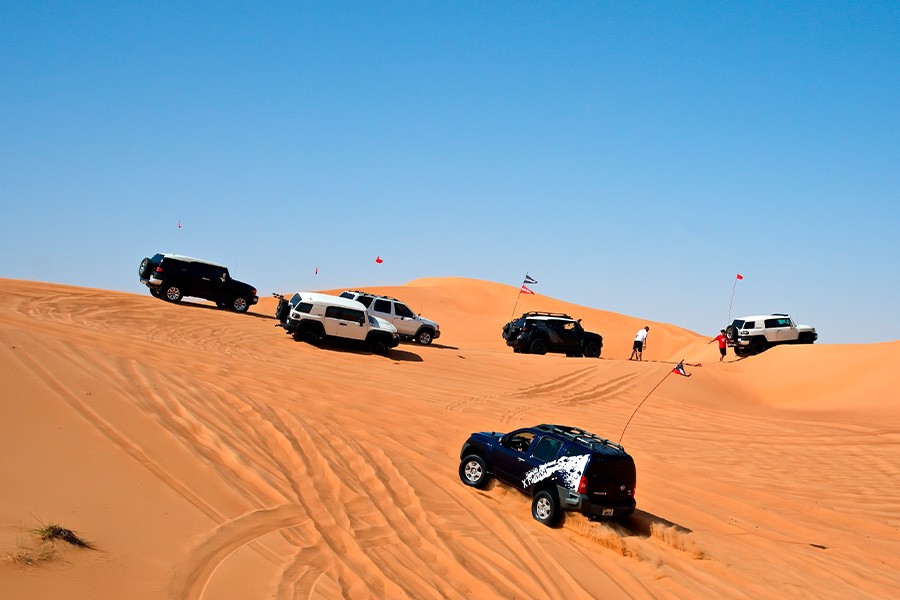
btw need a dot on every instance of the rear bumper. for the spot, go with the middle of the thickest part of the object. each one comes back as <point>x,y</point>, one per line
<point>612,509</point>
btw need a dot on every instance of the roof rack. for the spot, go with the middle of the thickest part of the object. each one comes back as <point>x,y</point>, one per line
<point>373,295</point>
<point>580,435</point>
<point>537,313</point>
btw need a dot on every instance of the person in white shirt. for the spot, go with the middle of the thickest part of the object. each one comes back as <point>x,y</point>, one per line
<point>640,343</point>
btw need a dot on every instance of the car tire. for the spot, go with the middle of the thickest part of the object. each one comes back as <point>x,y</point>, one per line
<point>545,508</point>
<point>473,471</point>
<point>240,304</point>
<point>144,269</point>
<point>730,333</point>
<point>379,346</point>
<point>538,346</point>
<point>805,338</point>
<point>155,293</point>
<point>171,292</point>
<point>592,350</point>
<point>758,345</point>
<point>425,336</point>
<point>308,335</point>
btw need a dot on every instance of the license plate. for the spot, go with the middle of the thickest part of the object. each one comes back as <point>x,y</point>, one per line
<point>607,512</point>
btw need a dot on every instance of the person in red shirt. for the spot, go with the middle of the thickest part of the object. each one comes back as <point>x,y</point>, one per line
<point>721,339</point>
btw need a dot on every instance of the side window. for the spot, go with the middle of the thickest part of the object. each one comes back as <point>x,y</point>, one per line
<point>403,311</point>
<point>304,307</point>
<point>333,312</point>
<point>547,449</point>
<point>382,306</point>
<point>520,441</point>
<point>354,315</point>
<point>569,326</point>
<point>778,322</point>
<point>749,325</point>
<point>365,301</point>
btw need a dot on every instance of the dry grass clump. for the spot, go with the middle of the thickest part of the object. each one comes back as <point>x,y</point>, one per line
<point>49,536</point>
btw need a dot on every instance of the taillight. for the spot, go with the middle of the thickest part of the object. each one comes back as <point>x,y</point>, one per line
<point>159,269</point>
<point>583,485</point>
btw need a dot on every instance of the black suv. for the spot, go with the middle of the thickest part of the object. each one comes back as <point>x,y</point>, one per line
<point>562,468</point>
<point>542,332</point>
<point>172,277</point>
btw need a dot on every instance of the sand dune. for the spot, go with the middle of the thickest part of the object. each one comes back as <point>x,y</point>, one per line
<point>207,455</point>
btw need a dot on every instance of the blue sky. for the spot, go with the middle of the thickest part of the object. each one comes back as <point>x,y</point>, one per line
<point>630,156</point>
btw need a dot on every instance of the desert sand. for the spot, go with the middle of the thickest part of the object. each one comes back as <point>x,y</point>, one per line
<point>206,455</point>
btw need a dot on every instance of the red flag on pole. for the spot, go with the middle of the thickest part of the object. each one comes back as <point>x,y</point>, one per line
<point>525,290</point>
<point>179,224</point>
<point>739,276</point>
<point>317,271</point>
<point>379,260</point>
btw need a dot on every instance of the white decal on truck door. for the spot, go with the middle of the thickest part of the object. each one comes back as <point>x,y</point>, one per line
<point>571,468</point>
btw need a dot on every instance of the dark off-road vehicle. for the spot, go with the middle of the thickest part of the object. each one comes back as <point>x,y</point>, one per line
<point>172,277</point>
<point>561,468</point>
<point>542,332</point>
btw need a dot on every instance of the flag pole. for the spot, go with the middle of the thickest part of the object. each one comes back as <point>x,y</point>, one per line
<point>730,302</point>
<point>679,369</point>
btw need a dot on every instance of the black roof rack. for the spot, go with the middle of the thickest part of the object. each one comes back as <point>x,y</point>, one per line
<point>580,435</point>
<point>537,313</point>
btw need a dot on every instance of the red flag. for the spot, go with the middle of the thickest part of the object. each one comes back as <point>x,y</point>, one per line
<point>525,290</point>
<point>739,276</point>
<point>379,260</point>
<point>179,224</point>
<point>679,370</point>
<point>317,271</point>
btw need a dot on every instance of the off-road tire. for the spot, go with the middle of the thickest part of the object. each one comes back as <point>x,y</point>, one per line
<point>425,336</point>
<point>805,338</point>
<point>240,304</point>
<point>378,346</point>
<point>730,333</point>
<point>171,292</point>
<point>592,350</point>
<point>758,345</point>
<point>144,269</point>
<point>473,471</point>
<point>545,508</point>
<point>538,346</point>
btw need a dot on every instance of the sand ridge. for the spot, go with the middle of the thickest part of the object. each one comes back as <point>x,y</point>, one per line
<point>207,455</point>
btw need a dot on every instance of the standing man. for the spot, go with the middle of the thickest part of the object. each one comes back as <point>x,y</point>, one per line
<point>721,339</point>
<point>640,343</point>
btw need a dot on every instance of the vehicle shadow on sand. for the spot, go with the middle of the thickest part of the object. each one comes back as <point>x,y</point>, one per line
<point>334,345</point>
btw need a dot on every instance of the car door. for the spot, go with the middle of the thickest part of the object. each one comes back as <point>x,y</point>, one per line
<point>786,330</point>
<point>346,323</point>
<point>511,457</point>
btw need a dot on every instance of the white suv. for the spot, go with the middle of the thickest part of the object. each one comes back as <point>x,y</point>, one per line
<point>409,325</point>
<point>757,333</point>
<point>314,317</point>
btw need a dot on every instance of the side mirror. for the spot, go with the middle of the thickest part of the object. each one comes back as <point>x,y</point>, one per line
<point>362,322</point>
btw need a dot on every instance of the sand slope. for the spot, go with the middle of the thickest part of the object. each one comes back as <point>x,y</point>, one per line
<point>207,455</point>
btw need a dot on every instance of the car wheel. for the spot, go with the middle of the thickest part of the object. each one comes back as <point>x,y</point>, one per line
<point>155,293</point>
<point>592,350</point>
<point>307,335</point>
<point>758,346</point>
<point>473,471</point>
<point>539,346</point>
<point>379,346</point>
<point>805,338</point>
<point>425,337</point>
<point>730,333</point>
<point>144,269</point>
<point>240,304</point>
<point>172,293</point>
<point>545,508</point>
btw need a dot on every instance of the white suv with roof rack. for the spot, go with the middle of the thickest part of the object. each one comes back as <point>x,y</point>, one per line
<point>314,317</point>
<point>758,333</point>
<point>409,325</point>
